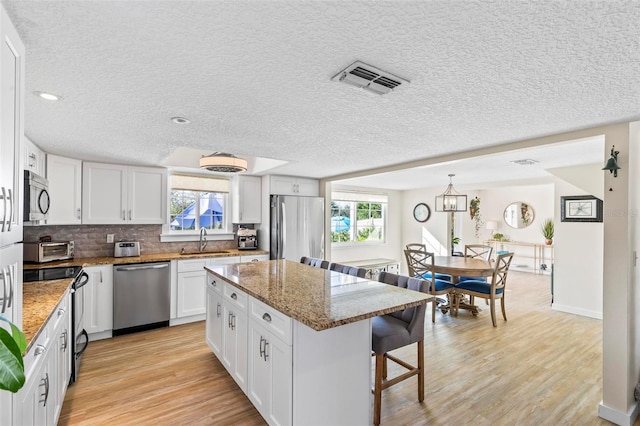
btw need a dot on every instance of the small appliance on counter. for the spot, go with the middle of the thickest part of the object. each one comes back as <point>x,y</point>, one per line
<point>247,239</point>
<point>46,250</point>
<point>126,249</point>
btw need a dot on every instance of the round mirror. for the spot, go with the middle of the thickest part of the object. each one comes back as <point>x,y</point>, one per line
<point>519,215</point>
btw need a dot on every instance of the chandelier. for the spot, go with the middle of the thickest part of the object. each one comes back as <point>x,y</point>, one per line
<point>450,200</point>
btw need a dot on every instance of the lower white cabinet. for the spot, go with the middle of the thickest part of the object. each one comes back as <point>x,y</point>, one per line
<point>270,372</point>
<point>234,334</point>
<point>98,301</point>
<point>47,370</point>
<point>192,284</point>
<point>253,258</point>
<point>215,318</point>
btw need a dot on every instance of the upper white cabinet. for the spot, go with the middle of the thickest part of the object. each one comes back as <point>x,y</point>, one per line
<point>65,190</point>
<point>114,194</point>
<point>34,157</point>
<point>11,130</point>
<point>289,185</point>
<point>246,193</point>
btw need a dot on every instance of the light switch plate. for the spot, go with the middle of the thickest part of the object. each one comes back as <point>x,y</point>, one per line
<point>109,238</point>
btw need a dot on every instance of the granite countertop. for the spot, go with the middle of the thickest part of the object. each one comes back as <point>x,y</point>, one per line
<point>318,298</point>
<point>39,298</point>
<point>144,258</point>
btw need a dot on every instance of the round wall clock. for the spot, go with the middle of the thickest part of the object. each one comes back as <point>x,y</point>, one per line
<point>421,212</point>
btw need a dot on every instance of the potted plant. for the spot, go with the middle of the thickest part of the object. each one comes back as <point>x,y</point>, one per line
<point>474,211</point>
<point>12,345</point>
<point>547,230</point>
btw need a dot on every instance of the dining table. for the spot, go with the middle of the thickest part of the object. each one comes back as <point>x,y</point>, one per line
<point>458,266</point>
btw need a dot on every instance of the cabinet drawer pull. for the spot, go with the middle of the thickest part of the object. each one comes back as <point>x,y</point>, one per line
<point>266,317</point>
<point>39,350</point>
<point>79,214</point>
<point>266,347</point>
<point>61,311</point>
<point>218,310</point>
<point>234,296</point>
<point>262,340</point>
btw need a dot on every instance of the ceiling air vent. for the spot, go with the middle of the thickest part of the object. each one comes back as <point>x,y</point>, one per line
<point>369,78</point>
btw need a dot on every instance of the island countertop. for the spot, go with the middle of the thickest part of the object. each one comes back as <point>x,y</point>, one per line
<point>319,298</point>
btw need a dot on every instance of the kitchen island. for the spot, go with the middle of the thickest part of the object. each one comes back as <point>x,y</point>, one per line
<point>297,339</point>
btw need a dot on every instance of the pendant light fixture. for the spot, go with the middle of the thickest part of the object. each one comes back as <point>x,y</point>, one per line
<point>450,200</point>
<point>223,162</point>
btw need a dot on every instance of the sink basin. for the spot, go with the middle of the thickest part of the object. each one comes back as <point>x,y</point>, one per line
<point>192,252</point>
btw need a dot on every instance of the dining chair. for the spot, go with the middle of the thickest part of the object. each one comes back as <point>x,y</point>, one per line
<point>476,251</point>
<point>393,331</point>
<point>422,247</point>
<point>420,265</point>
<point>312,261</point>
<point>485,290</point>
<point>348,269</point>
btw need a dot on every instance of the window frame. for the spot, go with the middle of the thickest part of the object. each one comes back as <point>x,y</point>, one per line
<point>354,199</point>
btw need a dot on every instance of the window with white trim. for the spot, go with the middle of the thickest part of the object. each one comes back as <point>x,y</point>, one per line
<point>198,202</point>
<point>357,217</point>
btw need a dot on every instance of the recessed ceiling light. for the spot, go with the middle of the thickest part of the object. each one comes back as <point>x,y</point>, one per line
<point>180,120</point>
<point>48,96</point>
<point>525,162</point>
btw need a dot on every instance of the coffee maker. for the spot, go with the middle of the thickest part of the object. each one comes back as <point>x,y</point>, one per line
<point>247,239</point>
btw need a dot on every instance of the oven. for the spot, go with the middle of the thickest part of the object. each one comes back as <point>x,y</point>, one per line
<point>79,336</point>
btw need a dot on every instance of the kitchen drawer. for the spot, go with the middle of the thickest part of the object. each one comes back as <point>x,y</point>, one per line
<point>38,352</point>
<point>235,297</point>
<point>59,312</point>
<point>215,283</point>
<point>192,265</point>
<point>276,322</point>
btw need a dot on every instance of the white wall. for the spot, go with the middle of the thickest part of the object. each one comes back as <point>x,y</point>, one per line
<point>390,249</point>
<point>579,254</point>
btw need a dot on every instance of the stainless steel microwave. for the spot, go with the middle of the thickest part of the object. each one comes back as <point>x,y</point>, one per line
<point>36,198</point>
<point>48,252</point>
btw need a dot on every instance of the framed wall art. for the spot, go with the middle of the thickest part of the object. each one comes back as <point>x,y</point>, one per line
<point>580,208</point>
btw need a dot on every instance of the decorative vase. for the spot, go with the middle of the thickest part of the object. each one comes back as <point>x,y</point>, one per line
<point>548,241</point>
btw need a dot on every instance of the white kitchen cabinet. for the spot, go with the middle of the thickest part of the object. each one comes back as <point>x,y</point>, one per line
<point>215,319</point>
<point>33,157</point>
<point>47,371</point>
<point>192,284</point>
<point>115,194</point>
<point>11,131</point>
<point>234,334</point>
<point>65,190</point>
<point>289,185</point>
<point>246,193</point>
<point>269,379</point>
<point>253,258</point>
<point>98,301</point>
<point>63,347</point>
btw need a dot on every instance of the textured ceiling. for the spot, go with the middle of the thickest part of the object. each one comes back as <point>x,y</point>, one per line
<point>254,77</point>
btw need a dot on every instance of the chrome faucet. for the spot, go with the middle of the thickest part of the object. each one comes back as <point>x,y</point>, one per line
<point>203,238</point>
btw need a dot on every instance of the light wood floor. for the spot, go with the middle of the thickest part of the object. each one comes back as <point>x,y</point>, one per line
<point>541,367</point>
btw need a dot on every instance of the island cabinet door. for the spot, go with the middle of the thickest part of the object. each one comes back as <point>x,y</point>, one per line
<point>234,346</point>
<point>269,384</point>
<point>215,321</point>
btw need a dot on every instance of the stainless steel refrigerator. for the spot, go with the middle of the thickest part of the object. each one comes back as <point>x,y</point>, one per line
<point>297,227</point>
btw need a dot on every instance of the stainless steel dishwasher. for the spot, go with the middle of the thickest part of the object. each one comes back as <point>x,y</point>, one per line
<point>141,298</point>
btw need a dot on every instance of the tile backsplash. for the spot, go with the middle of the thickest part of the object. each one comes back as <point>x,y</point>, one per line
<point>91,240</point>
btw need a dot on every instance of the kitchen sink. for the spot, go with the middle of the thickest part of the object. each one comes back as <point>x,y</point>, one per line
<point>192,252</point>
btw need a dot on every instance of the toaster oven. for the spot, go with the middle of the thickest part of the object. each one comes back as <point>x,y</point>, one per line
<point>41,252</point>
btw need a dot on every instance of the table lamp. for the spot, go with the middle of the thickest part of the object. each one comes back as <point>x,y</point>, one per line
<point>492,226</point>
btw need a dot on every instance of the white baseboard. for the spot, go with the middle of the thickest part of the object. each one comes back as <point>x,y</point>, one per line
<point>618,417</point>
<point>576,311</point>
<point>187,320</point>
<point>101,335</point>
